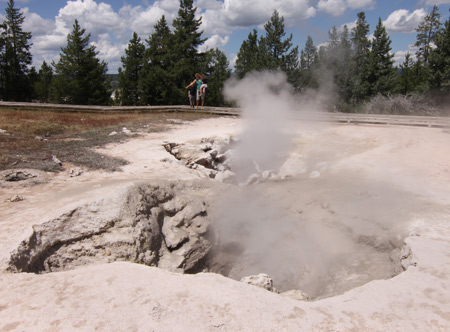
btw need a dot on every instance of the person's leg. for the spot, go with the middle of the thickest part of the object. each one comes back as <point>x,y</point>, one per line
<point>198,97</point>
<point>203,98</point>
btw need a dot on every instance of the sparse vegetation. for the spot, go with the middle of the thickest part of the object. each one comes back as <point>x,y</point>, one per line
<point>33,137</point>
<point>412,104</point>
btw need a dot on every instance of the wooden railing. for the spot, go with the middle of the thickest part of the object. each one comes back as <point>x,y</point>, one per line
<point>379,119</point>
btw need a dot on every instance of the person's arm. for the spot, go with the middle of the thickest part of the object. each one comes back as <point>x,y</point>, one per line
<point>192,83</point>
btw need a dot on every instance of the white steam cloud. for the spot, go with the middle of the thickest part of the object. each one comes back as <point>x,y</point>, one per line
<point>322,235</point>
<point>267,108</point>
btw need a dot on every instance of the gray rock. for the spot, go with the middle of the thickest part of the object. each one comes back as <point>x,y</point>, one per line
<point>193,251</point>
<point>213,153</point>
<point>126,131</point>
<point>199,225</point>
<point>261,280</point>
<point>169,146</point>
<point>221,157</point>
<point>56,160</point>
<point>173,236</point>
<point>175,205</point>
<point>75,172</point>
<point>15,198</point>
<point>19,175</point>
<point>204,160</point>
<point>153,224</point>
<point>406,258</point>
<point>206,147</point>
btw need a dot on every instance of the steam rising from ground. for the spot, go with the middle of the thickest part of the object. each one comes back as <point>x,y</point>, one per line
<point>303,232</point>
<point>267,108</point>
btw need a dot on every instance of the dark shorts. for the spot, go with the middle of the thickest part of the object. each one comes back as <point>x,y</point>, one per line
<point>192,97</point>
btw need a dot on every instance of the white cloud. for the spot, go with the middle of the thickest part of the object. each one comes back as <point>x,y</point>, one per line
<point>170,6</point>
<point>95,18</point>
<point>225,17</point>
<point>333,7</point>
<point>403,21</point>
<point>240,13</point>
<point>109,52</point>
<point>144,21</point>
<point>233,61</point>
<point>213,42</point>
<point>52,42</point>
<point>338,7</point>
<point>33,22</point>
<point>361,4</point>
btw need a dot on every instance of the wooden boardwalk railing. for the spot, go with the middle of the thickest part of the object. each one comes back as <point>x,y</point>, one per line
<point>379,119</point>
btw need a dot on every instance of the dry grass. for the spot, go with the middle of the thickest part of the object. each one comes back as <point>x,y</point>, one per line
<point>33,137</point>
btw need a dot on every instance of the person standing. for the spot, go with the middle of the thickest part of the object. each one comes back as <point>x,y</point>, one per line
<point>192,94</point>
<point>197,83</point>
<point>203,89</point>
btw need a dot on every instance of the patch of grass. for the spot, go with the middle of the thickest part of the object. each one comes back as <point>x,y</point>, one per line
<point>33,137</point>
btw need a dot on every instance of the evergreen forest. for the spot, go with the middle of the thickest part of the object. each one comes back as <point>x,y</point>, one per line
<point>156,70</point>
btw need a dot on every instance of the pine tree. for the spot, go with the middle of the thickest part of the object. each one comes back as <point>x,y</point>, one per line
<point>132,63</point>
<point>308,55</point>
<point>32,78</point>
<point>361,48</point>
<point>335,64</point>
<point>440,61</point>
<point>329,53</point>
<point>308,59</point>
<point>218,72</point>
<point>382,74</point>
<point>406,80</point>
<point>426,34</point>
<point>80,77</point>
<point>248,57</point>
<point>333,36</point>
<point>280,55</point>
<point>43,84</point>
<point>157,81</point>
<point>15,57</point>
<point>345,66</point>
<point>186,40</point>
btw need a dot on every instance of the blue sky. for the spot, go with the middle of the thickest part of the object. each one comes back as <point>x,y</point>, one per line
<point>226,23</point>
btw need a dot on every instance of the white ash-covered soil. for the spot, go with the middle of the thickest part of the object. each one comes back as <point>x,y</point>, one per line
<point>381,185</point>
